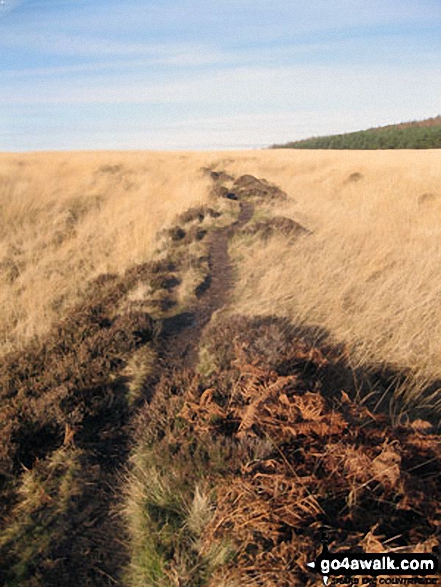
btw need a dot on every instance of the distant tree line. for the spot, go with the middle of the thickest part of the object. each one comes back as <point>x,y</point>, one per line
<point>414,136</point>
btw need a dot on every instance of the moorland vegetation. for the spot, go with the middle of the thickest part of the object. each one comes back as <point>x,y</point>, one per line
<point>212,362</point>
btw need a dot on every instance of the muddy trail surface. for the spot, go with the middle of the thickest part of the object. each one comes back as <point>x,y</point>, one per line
<point>181,333</point>
<point>66,432</point>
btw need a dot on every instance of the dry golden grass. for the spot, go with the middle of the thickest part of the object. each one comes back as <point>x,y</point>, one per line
<point>370,273</point>
<point>68,217</point>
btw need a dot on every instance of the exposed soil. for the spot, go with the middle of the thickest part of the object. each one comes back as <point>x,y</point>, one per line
<point>181,333</point>
<point>250,187</point>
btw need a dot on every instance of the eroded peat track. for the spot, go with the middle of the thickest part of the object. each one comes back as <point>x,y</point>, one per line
<point>66,411</point>
<point>181,333</point>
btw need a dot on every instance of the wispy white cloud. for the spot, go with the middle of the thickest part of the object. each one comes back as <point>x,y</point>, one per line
<point>72,44</point>
<point>175,56</point>
<point>200,55</point>
<point>241,86</point>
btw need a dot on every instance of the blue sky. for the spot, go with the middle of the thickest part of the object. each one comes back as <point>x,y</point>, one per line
<point>193,74</point>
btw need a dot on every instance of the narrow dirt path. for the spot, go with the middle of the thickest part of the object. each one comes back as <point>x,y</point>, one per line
<point>181,333</point>
<point>78,369</point>
<point>97,529</point>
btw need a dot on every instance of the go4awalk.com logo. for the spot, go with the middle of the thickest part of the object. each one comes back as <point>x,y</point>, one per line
<point>418,566</point>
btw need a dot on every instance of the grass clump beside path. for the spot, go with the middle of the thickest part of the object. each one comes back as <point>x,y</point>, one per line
<point>170,494</point>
